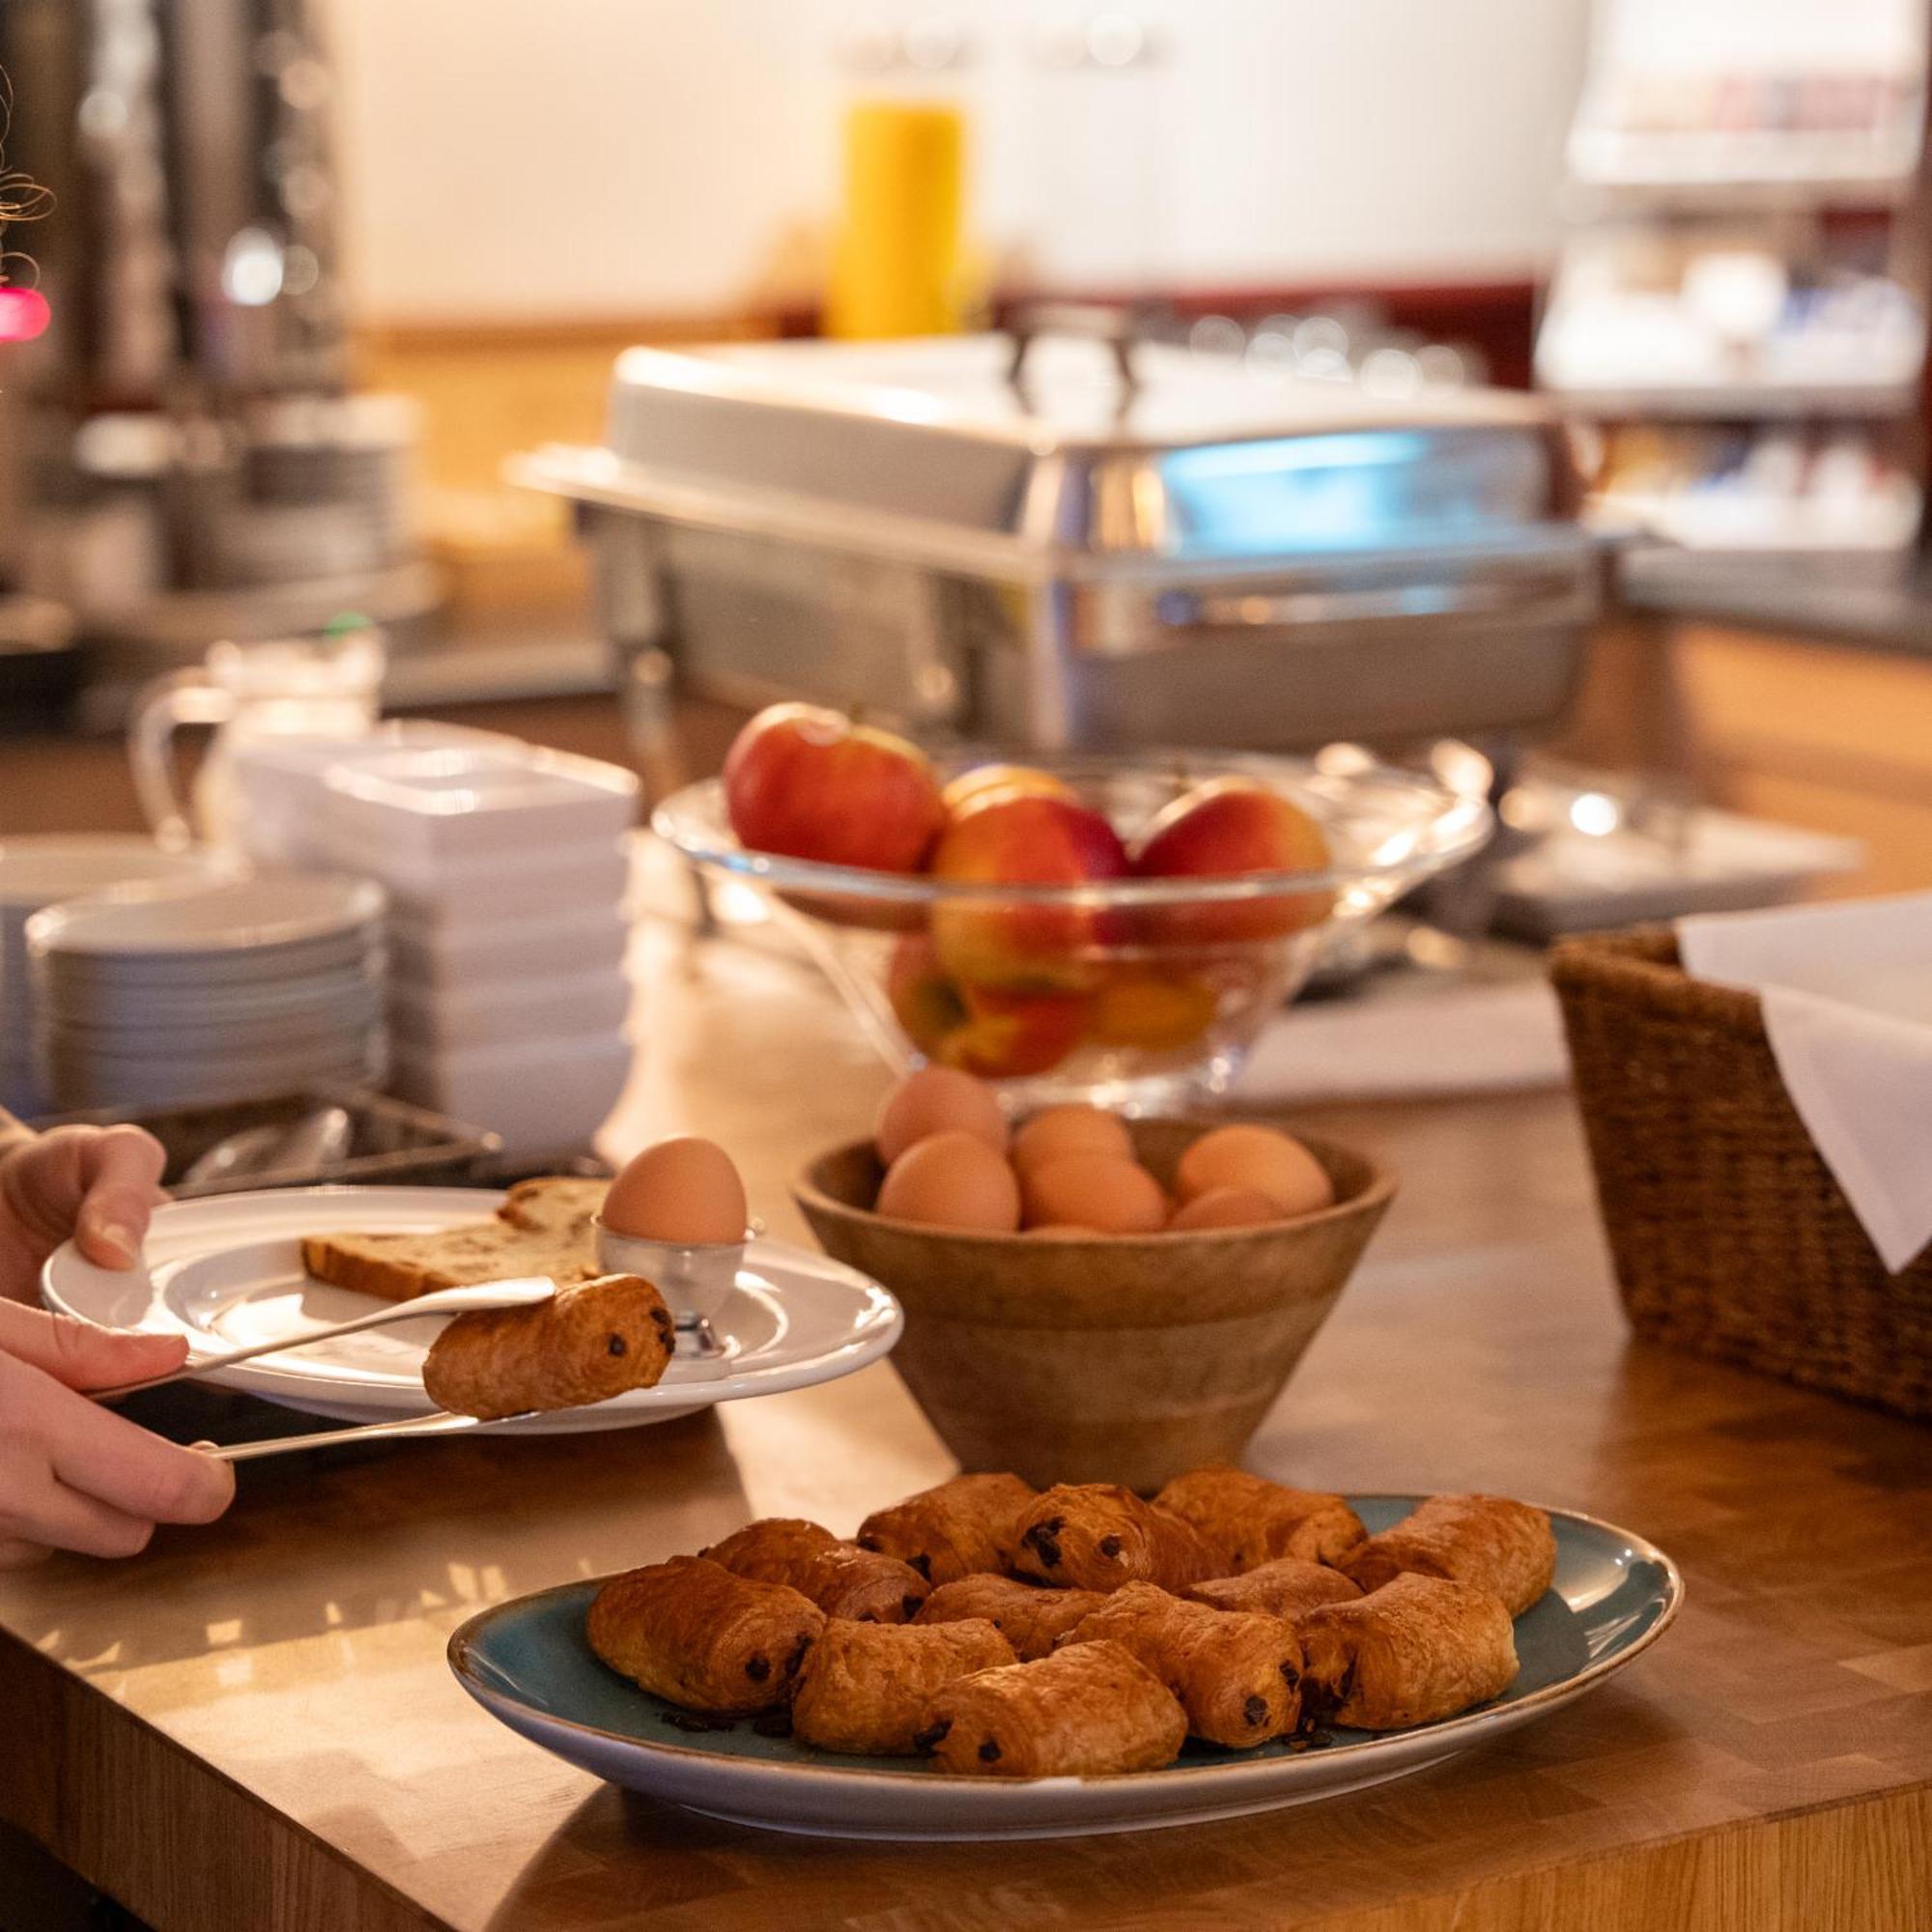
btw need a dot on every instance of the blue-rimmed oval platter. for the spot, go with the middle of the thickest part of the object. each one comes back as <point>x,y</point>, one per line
<point>528,1663</point>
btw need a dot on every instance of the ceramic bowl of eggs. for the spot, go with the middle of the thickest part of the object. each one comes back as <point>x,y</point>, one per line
<point>1091,1298</point>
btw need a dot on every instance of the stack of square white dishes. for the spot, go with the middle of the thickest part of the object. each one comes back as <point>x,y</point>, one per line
<point>507,871</point>
<point>42,870</point>
<point>278,782</point>
<point>174,995</point>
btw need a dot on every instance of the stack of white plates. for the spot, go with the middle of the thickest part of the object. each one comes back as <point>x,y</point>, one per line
<point>42,871</point>
<point>507,872</point>
<point>177,995</point>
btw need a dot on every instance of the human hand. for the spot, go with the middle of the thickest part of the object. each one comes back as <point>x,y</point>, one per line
<point>97,1184</point>
<point>74,1475</point>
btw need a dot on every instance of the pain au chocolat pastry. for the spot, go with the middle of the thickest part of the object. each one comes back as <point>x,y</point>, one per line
<point>692,1632</point>
<point>1286,1587</point>
<point>1098,1536</point>
<point>1250,1521</point>
<point>1086,1710</point>
<point>1418,1649</point>
<point>865,1687</point>
<point>960,1529</point>
<point>1031,1618</point>
<point>586,1344</point>
<point>1491,1542</point>
<point>1238,1675</point>
<point>840,1578</point>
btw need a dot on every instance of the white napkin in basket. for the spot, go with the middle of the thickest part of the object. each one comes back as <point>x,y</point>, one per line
<point>1503,1037</point>
<point>1847,995</point>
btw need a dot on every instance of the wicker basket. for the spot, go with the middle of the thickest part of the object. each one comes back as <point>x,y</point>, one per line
<point>1729,1234</point>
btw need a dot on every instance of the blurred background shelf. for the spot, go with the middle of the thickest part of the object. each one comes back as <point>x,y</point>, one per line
<point>1737,308</point>
<point>1673,183</point>
<point>1742,402</point>
<point>1799,595</point>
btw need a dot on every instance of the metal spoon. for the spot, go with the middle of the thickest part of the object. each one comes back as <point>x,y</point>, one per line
<point>317,1140</point>
<point>247,1151</point>
<point>519,1292</point>
<point>314,1141</point>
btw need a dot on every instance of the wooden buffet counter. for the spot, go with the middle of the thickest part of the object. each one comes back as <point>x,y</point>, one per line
<point>252,1728</point>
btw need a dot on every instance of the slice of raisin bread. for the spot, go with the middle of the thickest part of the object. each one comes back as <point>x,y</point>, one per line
<point>554,1205</point>
<point>542,1228</point>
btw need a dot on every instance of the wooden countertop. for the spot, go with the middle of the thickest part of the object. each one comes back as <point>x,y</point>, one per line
<point>252,1727</point>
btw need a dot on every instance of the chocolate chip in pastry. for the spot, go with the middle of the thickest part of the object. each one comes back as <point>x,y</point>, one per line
<point>842,1580</point>
<point>1248,1521</point>
<point>960,1528</point>
<point>586,1344</point>
<point>1238,1675</point>
<point>690,1631</point>
<point>1491,1542</point>
<point>1286,1587</point>
<point>1417,1650</point>
<point>1098,1536</point>
<point>1088,1710</point>
<point>865,1687</point>
<point>1031,1617</point>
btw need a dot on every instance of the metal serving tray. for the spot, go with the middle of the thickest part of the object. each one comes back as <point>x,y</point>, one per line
<point>1049,555</point>
<point>392,1143</point>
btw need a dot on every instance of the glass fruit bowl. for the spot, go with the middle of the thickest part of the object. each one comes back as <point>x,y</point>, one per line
<point>1142,994</point>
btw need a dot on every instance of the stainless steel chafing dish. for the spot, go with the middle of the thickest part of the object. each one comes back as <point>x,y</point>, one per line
<point>1076,544</point>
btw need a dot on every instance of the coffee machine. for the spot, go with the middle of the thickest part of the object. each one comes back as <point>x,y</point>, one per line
<point>187,459</point>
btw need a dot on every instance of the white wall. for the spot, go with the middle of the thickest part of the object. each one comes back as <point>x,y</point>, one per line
<point>590,158</point>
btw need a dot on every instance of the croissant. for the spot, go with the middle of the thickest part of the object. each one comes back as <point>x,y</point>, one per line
<point>1284,1588</point>
<point>1238,1675</point>
<point>1416,1649</point>
<point>586,1344</point>
<point>959,1529</point>
<point>1248,1521</point>
<point>1088,1710</point>
<point>690,1631</point>
<point>1098,1536</point>
<point>842,1581</point>
<point>865,1687</point>
<point>1496,1545</point>
<point>1031,1619</point>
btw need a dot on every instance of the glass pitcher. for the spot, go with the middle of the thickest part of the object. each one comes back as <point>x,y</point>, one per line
<point>308,688</point>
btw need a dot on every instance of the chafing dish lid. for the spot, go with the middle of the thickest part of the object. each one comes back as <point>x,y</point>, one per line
<point>928,448</point>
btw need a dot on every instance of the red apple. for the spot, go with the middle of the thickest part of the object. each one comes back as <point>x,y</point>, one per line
<point>979,783</point>
<point>810,784</point>
<point>1010,1035</point>
<point>1219,831</point>
<point>1160,1012</point>
<point>925,1002</point>
<point>993,1035</point>
<point>1024,837</point>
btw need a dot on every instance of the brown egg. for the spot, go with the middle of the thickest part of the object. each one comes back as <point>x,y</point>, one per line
<point>938,1100</point>
<point>1070,1129</point>
<point>682,1190</point>
<point>1101,1191</point>
<point>953,1181</point>
<point>1224,1207</point>
<point>1059,1231</point>
<point>1272,1164</point>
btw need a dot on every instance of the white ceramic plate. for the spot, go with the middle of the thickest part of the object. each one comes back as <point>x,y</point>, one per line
<point>526,1662</point>
<point>42,868</point>
<point>226,1272</point>
<point>353,989</point>
<point>242,915</point>
<point>97,976</point>
<point>345,1027</point>
<point>202,1080</point>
